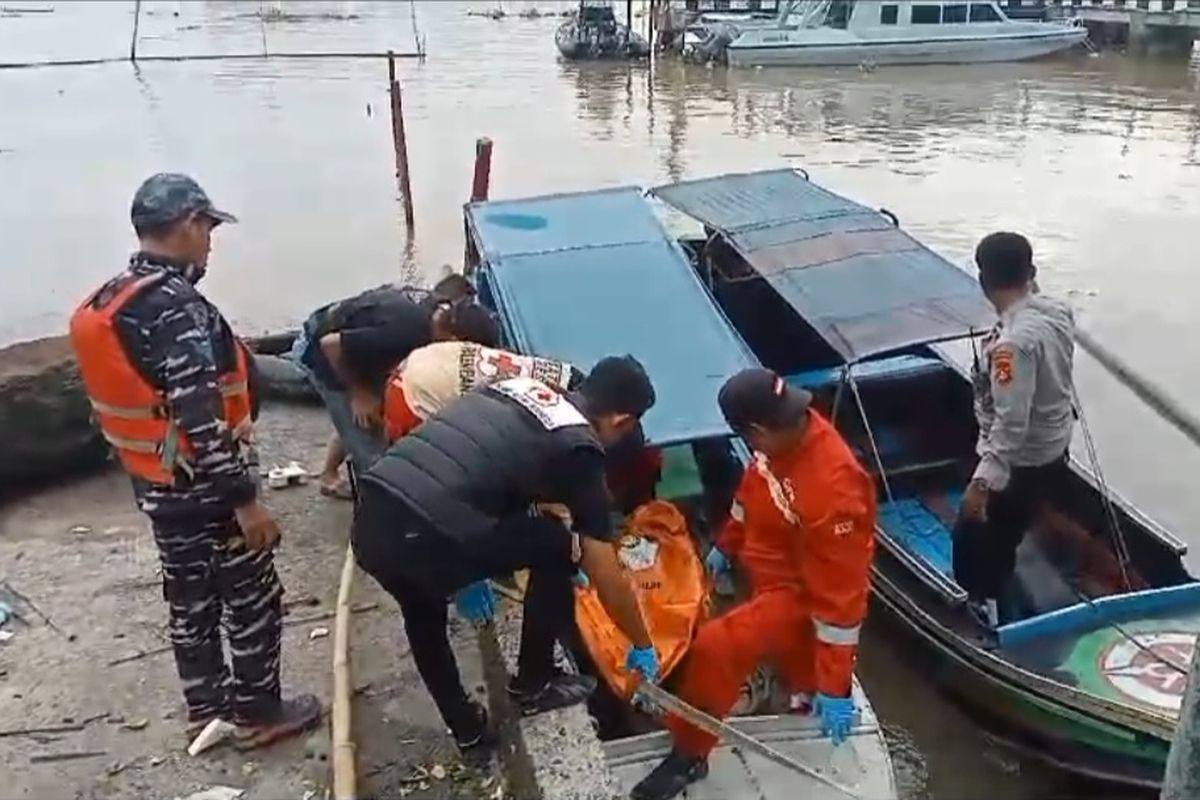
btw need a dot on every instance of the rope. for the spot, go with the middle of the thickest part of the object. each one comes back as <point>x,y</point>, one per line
<point>1105,496</point>
<point>1118,538</point>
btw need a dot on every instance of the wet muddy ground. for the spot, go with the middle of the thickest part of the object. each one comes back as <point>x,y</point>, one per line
<point>86,558</point>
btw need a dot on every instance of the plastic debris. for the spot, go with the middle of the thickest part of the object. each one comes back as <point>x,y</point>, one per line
<point>438,772</point>
<point>318,633</point>
<point>136,725</point>
<point>6,635</point>
<point>290,474</point>
<point>213,734</point>
<point>81,530</point>
<point>6,612</point>
<point>215,793</point>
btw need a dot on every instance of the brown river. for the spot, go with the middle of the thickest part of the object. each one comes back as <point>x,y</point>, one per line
<point>1096,159</point>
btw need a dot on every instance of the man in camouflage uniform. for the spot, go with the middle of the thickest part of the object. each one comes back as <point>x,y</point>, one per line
<point>214,537</point>
<point>1024,404</point>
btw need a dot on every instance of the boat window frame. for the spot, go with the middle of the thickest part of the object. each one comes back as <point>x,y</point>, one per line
<point>963,7</point>
<point>996,16</point>
<point>889,14</point>
<point>924,8</point>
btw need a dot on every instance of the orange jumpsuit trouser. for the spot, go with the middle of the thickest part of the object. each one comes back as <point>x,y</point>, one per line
<point>775,626</point>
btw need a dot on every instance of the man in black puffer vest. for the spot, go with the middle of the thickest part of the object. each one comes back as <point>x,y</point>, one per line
<point>463,498</point>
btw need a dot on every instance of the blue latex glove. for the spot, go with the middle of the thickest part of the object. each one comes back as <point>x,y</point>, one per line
<point>837,716</point>
<point>476,603</point>
<point>716,562</point>
<point>643,660</point>
<point>582,580</point>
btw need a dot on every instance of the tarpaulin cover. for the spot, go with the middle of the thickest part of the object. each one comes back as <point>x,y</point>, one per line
<point>583,276</point>
<point>866,286</point>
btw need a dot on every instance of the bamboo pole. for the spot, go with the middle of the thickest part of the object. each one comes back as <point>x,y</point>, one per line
<point>345,773</point>
<point>137,15</point>
<point>1149,393</point>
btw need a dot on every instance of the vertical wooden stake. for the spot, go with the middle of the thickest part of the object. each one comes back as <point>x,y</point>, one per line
<point>481,180</point>
<point>480,184</point>
<point>137,15</point>
<point>400,141</point>
<point>650,25</point>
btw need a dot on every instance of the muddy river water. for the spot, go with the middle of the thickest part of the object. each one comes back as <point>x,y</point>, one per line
<point>1096,159</point>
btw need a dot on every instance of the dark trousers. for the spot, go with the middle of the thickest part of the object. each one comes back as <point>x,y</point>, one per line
<point>210,581</point>
<point>422,569</point>
<point>985,553</point>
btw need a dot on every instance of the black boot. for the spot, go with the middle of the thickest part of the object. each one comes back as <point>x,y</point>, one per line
<point>676,772</point>
<point>560,691</point>
<point>476,738</point>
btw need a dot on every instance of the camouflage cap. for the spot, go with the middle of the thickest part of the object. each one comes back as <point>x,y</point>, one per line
<point>167,197</point>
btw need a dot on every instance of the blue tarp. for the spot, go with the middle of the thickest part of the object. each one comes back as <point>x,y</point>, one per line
<point>866,286</point>
<point>582,276</point>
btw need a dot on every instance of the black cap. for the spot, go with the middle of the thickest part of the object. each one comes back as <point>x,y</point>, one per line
<point>168,197</point>
<point>618,385</point>
<point>758,396</point>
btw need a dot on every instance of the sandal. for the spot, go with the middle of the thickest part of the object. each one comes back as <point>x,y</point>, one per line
<point>338,491</point>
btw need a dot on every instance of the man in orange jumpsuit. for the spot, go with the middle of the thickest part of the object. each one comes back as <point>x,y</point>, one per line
<point>802,525</point>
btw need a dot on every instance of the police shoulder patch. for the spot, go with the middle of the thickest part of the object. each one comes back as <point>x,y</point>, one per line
<point>1002,364</point>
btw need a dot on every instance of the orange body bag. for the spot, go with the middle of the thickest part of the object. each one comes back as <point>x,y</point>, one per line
<point>670,584</point>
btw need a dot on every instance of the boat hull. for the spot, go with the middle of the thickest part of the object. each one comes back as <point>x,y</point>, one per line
<point>864,765</point>
<point>578,42</point>
<point>755,49</point>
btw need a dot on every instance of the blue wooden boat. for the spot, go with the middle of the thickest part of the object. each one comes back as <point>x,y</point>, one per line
<point>1090,672</point>
<point>582,276</point>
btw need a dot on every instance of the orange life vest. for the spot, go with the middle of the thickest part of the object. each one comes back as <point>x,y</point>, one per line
<point>670,584</point>
<point>398,416</point>
<point>133,415</point>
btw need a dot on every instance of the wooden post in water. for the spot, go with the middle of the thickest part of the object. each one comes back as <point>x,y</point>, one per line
<point>137,15</point>
<point>400,141</point>
<point>1182,779</point>
<point>650,25</point>
<point>480,184</point>
<point>481,180</point>
<point>629,14</point>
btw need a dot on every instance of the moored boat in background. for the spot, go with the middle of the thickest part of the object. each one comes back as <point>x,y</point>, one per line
<point>594,33</point>
<point>853,32</point>
<point>1089,670</point>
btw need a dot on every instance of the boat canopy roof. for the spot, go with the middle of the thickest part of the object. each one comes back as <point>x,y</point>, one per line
<point>863,284</point>
<point>582,276</point>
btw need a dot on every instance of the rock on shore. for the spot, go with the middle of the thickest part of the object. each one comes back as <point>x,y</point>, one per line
<point>46,430</point>
<point>45,418</point>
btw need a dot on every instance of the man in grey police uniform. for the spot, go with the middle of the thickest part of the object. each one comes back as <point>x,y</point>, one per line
<point>1024,406</point>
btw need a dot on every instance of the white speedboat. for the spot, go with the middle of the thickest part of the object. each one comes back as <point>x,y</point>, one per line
<point>852,32</point>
